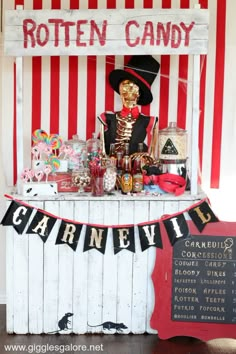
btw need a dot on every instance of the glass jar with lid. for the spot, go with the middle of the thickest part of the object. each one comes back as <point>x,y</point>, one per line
<point>93,147</point>
<point>110,177</point>
<point>77,156</point>
<point>172,144</point>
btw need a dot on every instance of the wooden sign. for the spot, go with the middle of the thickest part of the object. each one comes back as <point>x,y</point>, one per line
<point>104,31</point>
<point>195,284</point>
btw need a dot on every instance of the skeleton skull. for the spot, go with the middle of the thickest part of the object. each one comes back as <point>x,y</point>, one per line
<point>129,93</point>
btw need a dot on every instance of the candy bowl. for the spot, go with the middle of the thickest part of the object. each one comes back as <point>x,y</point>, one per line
<point>81,179</point>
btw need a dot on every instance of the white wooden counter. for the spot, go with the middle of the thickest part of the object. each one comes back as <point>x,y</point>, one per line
<point>45,281</point>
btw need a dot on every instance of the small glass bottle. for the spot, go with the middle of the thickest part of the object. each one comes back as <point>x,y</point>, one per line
<point>126,177</point>
<point>119,162</point>
<point>126,149</point>
<point>112,154</point>
<point>140,147</point>
<point>137,186</point>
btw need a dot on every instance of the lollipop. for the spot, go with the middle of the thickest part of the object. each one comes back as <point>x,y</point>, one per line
<point>27,175</point>
<point>47,170</point>
<point>39,135</point>
<point>24,177</point>
<point>54,162</point>
<point>35,152</point>
<point>39,175</point>
<point>47,150</point>
<point>54,141</point>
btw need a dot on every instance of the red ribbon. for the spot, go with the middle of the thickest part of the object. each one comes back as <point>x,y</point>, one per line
<point>126,111</point>
<point>168,182</point>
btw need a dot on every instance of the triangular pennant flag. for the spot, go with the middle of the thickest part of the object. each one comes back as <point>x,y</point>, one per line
<point>95,238</point>
<point>201,215</point>
<point>42,225</point>
<point>17,215</point>
<point>150,235</point>
<point>169,148</point>
<point>123,239</point>
<point>176,227</point>
<point>69,234</point>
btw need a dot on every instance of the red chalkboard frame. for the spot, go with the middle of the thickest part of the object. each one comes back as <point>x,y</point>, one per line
<point>162,281</point>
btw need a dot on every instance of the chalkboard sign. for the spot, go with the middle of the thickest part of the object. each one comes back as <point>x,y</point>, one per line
<point>195,284</point>
<point>204,280</point>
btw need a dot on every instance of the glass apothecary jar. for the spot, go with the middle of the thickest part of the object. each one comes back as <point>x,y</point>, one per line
<point>93,147</point>
<point>77,154</point>
<point>172,144</point>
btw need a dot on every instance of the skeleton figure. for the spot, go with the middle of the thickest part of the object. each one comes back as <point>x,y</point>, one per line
<point>133,84</point>
<point>129,93</point>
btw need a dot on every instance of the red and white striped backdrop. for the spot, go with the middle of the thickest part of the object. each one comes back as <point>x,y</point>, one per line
<point>65,94</point>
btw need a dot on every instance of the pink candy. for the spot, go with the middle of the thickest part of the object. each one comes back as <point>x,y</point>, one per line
<point>27,175</point>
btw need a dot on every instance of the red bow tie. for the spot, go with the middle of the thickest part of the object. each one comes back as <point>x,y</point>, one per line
<point>133,111</point>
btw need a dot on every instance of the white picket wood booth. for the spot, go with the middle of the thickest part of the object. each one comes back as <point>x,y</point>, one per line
<point>45,281</point>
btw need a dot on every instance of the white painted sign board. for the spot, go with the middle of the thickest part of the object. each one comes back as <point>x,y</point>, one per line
<point>106,32</point>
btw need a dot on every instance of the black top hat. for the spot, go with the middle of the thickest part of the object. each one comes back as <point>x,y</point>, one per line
<point>142,70</point>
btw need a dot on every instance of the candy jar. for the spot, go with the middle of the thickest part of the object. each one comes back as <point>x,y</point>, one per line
<point>110,177</point>
<point>172,150</point>
<point>172,143</point>
<point>93,147</point>
<point>77,155</point>
<point>81,178</point>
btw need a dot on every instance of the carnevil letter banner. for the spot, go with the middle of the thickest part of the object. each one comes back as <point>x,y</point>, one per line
<point>19,214</point>
<point>94,32</point>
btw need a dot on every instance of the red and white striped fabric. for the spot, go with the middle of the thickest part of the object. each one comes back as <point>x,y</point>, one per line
<point>65,94</point>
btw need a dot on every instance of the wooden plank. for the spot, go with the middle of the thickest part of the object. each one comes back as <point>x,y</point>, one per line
<point>51,275</point>
<point>125,271</point>
<point>95,272</point>
<point>109,311</point>
<point>116,16</point>
<point>80,288</point>
<point>21,286</point>
<point>156,210</point>
<point>10,277</point>
<point>65,270</point>
<point>14,48</point>
<point>36,266</point>
<point>195,125</point>
<point>94,32</point>
<point>19,119</point>
<point>140,273</point>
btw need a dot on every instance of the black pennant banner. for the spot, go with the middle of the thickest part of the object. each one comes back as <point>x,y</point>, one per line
<point>176,228</point>
<point>17,215</point>
<point>150,235</point>
<point>201,215</point>
<point>42,225</point>
<point>95,238</point>
<point>69,234</point>
<point>123,239</point>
